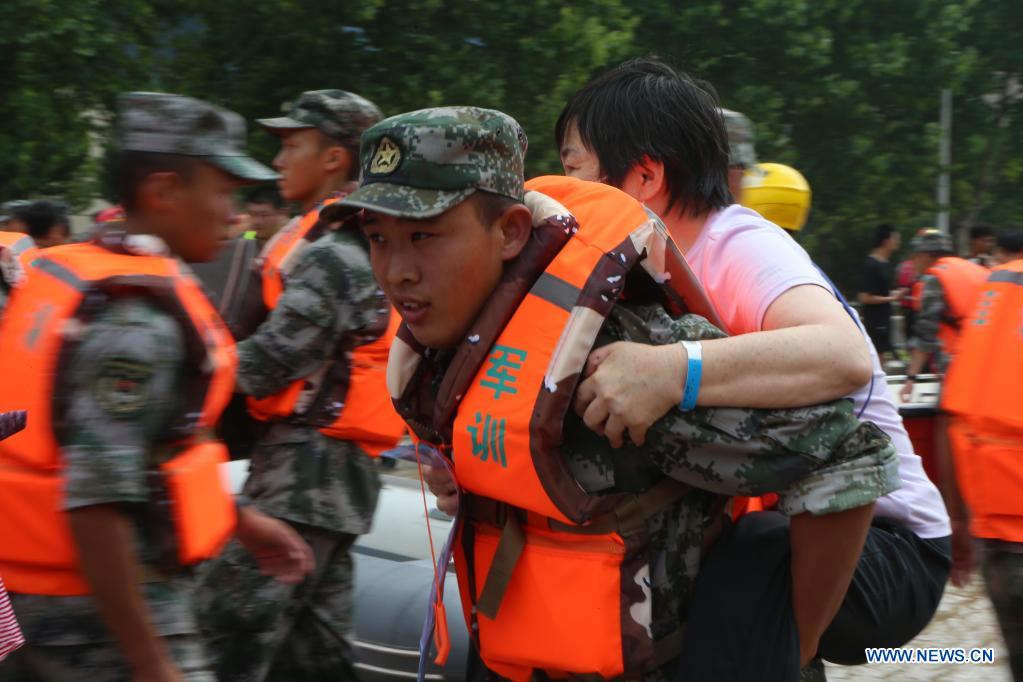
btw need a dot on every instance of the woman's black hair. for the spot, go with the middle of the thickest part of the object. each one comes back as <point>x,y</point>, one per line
<point>645,108</point>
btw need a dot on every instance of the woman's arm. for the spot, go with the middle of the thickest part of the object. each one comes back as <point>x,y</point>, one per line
<point>809,352</point>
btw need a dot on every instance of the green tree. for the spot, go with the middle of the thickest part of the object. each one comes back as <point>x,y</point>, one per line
<point>62,64</point>
<point>847,92</point>
<point>987,150</point>
<point>523,58</point>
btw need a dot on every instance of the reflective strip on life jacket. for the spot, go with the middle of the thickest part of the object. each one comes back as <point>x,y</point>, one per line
<point>37,553</point>
<point>18,243</point>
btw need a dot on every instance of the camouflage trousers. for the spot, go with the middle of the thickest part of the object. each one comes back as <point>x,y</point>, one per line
<point>257,628</point>
<point>99,662</point>
<point>1002,565</point>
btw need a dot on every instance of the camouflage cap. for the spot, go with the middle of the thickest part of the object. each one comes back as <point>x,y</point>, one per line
<point>740,139</point>
<point>161,123</point>
<point>339,114</point>
<point>931,240</point>
<point>422,163</point>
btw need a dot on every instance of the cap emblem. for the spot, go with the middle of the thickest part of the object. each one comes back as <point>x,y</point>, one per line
<point>386,159</point>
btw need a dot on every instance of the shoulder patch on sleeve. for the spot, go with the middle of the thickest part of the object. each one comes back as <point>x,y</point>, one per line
<point>121,386</point>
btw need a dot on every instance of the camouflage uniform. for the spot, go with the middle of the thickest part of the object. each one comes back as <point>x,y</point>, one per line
<point>256,627</point>
<point>928,321</point>
<point>820,459</point>
<point>933,308</point>
<point>122,388</point>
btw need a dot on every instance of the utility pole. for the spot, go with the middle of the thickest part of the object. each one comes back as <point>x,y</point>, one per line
<point>945,161</point>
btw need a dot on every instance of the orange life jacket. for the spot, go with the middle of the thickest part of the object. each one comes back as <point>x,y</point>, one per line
<point>66,286</point>
<point>960,281</point>
<point>17,250</point>
<point>283,249</point>
<point>982,391</point>
<point>550,576</point>
<point>347,399</point>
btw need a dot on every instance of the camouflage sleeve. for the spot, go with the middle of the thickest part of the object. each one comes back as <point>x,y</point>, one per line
<point>819,459</point>
<point>928,319</point>
<point>328,294</point>
<point>121,385</point>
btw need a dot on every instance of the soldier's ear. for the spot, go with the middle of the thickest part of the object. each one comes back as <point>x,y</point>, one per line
<point>516,225</point>
<point>337,159</point>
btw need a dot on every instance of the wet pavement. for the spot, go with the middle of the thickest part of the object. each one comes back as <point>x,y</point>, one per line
<point>965,620</point>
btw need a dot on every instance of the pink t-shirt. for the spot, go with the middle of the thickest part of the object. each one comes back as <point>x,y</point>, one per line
<point>745,263</point>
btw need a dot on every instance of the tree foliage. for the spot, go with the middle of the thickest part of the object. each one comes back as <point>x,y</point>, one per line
<point>847,91</point>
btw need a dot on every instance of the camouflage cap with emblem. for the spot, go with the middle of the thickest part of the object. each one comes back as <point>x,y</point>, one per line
<point>740,139</point>
<point>339,114</point>
<point>422,163</point>
<point>161,123</point>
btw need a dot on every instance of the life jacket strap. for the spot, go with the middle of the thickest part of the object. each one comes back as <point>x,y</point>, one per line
<point>506,557</point>
<point>627,519</point>
<point>629,516</point>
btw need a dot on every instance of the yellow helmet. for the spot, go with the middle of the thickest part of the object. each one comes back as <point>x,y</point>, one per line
<point>779,193</point>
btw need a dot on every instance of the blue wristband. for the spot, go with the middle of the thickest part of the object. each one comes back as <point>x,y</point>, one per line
<point>694,371</point>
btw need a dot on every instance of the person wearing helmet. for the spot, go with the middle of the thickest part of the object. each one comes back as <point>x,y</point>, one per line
<point>779,193</point>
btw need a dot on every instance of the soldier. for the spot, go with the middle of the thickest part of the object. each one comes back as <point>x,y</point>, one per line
<point>112,492</point>
<point>313,372</point>
<point>946,293</point>
<point>504,292</point>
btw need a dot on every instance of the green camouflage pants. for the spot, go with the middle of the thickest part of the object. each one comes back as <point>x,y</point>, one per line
<point>257,628</point>
<point>1002,565</point>
<point>99,662</point>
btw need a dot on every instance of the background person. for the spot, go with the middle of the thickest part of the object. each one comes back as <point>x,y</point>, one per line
<point>877,291</point>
